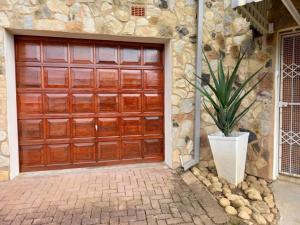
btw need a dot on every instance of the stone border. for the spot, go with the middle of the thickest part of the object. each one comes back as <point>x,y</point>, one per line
<point>251,202</point>
<point>207,201</point>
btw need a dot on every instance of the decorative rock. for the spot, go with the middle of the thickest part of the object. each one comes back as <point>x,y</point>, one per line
<point>269,217</point>
<point>274,210</point>
<point>245,209</point>
<point>226,191</point>
<point>260,207</point>
<point>214,189</point>
<point>270,201</point>
<point>196,171</point>
<point>217,185</point>
<point>266,191</point>
<point>230,210</point>
<point>223,181</point>
<point>259,218</point>
<point>206,182</point>
<point>204,172</point>
<point>237,203</point>
<point>244,215</point>
<point>214,180</point>
<point>246,201</point>
<point>210,176</point>
<point>233,197</point>
<point>263,182</point>
<point>224,202</point>
<point>253,194</point>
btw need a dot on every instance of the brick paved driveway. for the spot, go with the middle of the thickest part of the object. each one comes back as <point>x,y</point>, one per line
<point>129,195</point>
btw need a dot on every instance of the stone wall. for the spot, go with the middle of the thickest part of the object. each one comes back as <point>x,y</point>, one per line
<point>225,33</point>
<point>224,30</point>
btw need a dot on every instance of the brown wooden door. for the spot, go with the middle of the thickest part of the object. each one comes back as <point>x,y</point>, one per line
<point>86,103</point>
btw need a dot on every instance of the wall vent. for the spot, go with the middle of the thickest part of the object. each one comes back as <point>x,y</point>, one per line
<point>138,10</point>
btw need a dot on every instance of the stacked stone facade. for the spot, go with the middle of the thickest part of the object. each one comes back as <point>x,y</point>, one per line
<point>224,31</point>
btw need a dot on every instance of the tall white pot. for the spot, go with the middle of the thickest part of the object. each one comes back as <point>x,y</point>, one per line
<point>230,155</point>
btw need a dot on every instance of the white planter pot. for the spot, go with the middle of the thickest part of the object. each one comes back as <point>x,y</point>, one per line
<point>230,155</point>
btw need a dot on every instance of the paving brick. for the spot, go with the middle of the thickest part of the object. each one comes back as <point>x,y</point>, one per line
<point>133,195</point>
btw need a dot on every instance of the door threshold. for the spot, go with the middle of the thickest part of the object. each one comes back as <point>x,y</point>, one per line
<point>289,178</point>
<point>89,169</point>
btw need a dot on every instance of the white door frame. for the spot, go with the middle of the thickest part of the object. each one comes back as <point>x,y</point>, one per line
<point>10,74</point>
<point>277,150</point>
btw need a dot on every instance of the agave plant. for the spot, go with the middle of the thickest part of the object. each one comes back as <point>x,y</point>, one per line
<point>224,98</point>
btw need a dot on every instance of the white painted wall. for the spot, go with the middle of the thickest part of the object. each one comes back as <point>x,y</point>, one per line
<point>168,105</point>
<point>9,54</point>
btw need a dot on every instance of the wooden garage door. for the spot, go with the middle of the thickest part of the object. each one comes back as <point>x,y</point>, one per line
<point>87,103</point>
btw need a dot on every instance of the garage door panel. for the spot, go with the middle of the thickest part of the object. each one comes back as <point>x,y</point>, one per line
<point>107,55</point>
<point>32,155</point>
<point>55,52</point>
<point>108,103</point>
<point>28,77</point>
<point>131,79</point>
<point>58,128</point>
<point>56,77</point>
<point>108,79</point>
<point>57,103</point>
<point>84,102</point>
<point>153,125</point>
<point>131,103</point>
<point>82,77</point>
<point>108,150</point>
<point>82,53</point>
<point>132,126</point>
<point>28,51</point>
<point>84,152</point>
<point>153,147</point>
<point>31,129</point>
<point>108,127</point>
<point>153,103</point>
<point>132,149</point>
<point>59,154</point>
<point>130,55</point>
<point>152,56</point>
<point>153,80</point>
<point>83,128</point>
<point>30,103</point>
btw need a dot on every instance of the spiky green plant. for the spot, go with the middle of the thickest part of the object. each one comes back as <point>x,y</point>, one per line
<point>224,98</point>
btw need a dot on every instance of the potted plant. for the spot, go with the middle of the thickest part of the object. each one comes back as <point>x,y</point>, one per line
<point>229,147</point>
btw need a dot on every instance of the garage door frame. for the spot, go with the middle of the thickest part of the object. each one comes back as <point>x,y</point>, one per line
<point>11,89</point>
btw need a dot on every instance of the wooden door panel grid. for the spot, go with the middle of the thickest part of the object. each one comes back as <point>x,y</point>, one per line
<point>86,103</point>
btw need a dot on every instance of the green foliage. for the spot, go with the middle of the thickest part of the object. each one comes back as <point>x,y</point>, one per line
<point>224,98</point>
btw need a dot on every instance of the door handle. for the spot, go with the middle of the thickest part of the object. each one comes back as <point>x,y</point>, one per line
<point>96,127</point>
